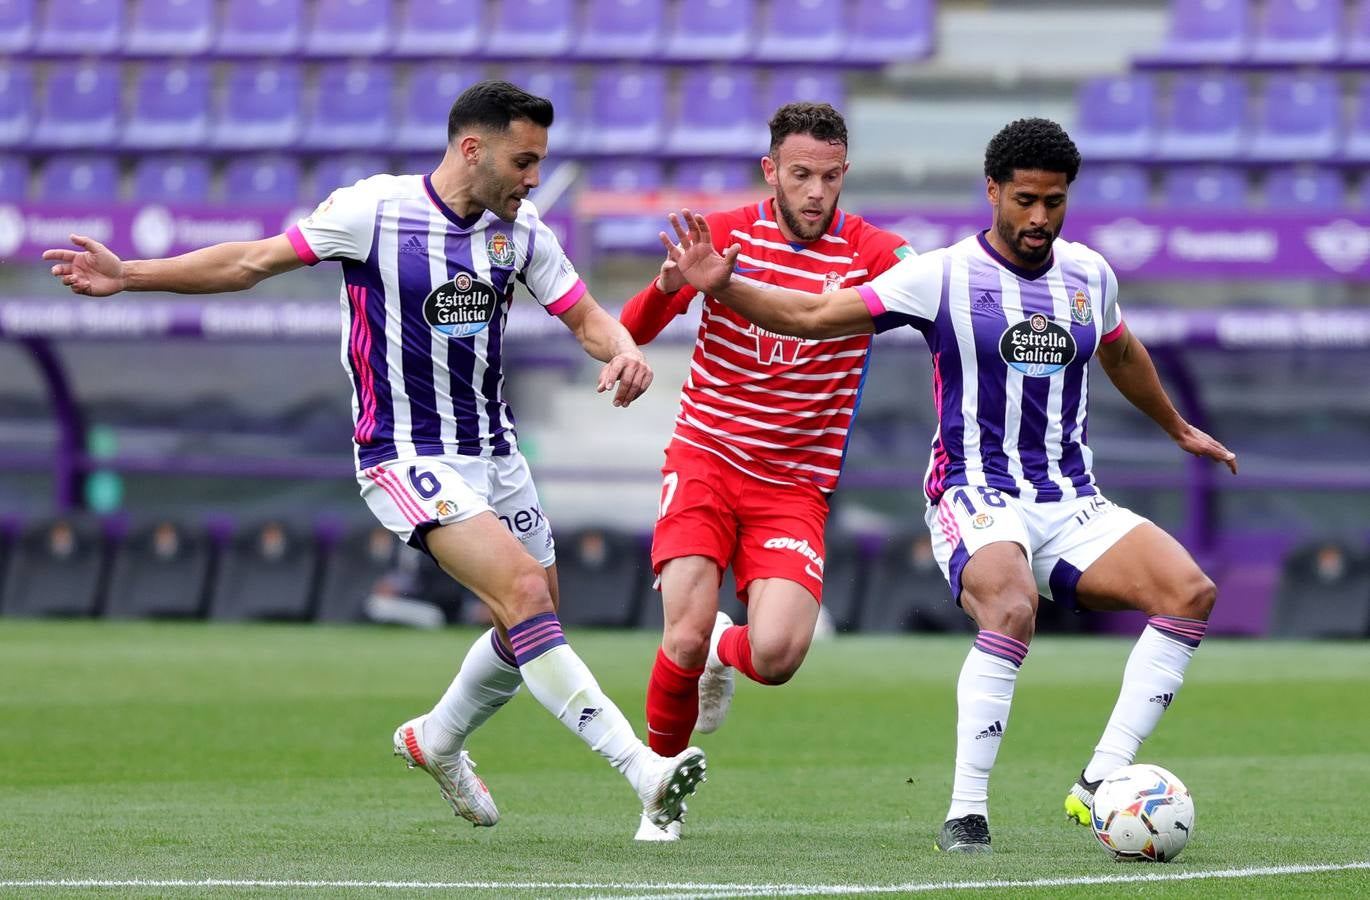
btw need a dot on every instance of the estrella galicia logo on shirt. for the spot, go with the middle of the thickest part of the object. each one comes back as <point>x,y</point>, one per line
<point>461,307</point>
<point>1038,347</point>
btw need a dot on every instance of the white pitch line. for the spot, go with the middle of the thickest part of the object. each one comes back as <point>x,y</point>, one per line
<point>692,889</point>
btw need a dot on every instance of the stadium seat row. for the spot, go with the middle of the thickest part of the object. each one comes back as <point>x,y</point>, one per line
<point>1311,189</point>
<point>860,32</point>
<point>276,571</point>
<point>1265,32</point>
<point>1213,116</point>
<point>285,180</point>
<point>358,106</point>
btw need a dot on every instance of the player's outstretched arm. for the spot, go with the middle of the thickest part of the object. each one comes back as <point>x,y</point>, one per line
<point>609,342</point>
<point>95,271</point>
<point>653,308</point>
<point>786,312</point>
<point>1131,370</point>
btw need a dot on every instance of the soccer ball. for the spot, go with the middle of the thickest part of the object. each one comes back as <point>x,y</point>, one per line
<point>1143,812</point>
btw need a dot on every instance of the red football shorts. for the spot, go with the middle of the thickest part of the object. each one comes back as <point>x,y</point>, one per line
<point>760,528</point>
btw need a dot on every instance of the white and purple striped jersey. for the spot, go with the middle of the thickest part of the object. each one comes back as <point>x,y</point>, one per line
<point>1010,361</point>
<point>425,300</point>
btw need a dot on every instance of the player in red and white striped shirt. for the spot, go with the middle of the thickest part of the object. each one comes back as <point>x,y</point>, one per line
<point>759,439</point>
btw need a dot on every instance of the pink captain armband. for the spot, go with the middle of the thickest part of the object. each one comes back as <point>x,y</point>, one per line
<point>872,300</point>
<point>302,249</point>
<point>568,299</point>
<point>1114,334</point>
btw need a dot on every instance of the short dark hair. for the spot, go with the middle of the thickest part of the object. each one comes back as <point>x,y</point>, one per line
<point>818,120</point>
<point>1031,144</point>
<point>494,105</point>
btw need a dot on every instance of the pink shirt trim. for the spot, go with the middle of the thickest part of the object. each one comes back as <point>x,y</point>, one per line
<point>302,248</point>
<point>872,300</point>
<point>1114,334</point>
<point>568,299</point>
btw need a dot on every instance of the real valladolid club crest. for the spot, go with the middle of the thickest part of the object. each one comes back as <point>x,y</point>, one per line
<point>500,249</point>
<point>1080,310</point>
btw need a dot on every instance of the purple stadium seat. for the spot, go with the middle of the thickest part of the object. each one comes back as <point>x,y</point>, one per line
<point>1110,187</point>
<point>333,172</point>
<point>621,29</point>
<point>170,107</point>
<point>1356,47</point>
<point>348,28</point>
<point>79,178</point>
<point>438,28</point>
<point>1357,143</point>
<point>1205,188</point>
<point>560,85</point>
<point>82,26</point>
<point>171,179</point>
<point>262,180</point>
<point>802,31</point>
<point>1299,31</point>
<point>1117,116</point>
<point>1207,31</point>
<point>256,27</point>
<point>628,175</point>
<point>1300,118</point>
<point>16,103</point>
<point>14,178</point>
<point>81,108</point>
<point>627,111</point>
<point>890,31</point>
<point>427,100</point>
<point>351,108</point>
<point>711,29</point>
<point>260,107</point>
<point>17,25</point>
<point>717,113</point>
<point>792,85</point>
<point>1305,189</point>
<point>170,27</point>
<point>716,175</point>
<point>1207,118</point>
<point>531,28</point>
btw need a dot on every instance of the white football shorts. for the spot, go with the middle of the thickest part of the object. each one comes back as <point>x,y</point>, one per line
<point>412,496</point>
<point>1061,539</point>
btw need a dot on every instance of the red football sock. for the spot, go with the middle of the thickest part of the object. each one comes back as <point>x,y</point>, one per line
<point>672,705</point>
<point>735,649</point>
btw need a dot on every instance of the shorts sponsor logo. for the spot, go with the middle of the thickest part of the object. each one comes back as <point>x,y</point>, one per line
<point>461,307</point>
<point>1039,348</point>
<point>982,521</point>
<point>523,521</point>
<point>1080,312</point>
<point>500,249</point>
<point>800,547</point>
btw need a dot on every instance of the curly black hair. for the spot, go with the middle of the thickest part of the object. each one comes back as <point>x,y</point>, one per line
<point>1031,144</point>
<point>818,120</point>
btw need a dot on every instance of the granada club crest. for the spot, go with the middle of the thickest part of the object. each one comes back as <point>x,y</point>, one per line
<point>500,249</point>
<point>1080,311</point>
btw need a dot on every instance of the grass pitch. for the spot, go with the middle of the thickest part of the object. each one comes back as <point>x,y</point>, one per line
<point>193,760</point>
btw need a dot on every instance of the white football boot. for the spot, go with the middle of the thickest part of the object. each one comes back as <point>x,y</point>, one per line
<point>649,831</point>
<point>716,684</point>
<point>456,776</point>
<point>674,778</point>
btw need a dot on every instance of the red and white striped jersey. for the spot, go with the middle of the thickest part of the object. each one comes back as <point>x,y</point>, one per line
<point>778,408</point>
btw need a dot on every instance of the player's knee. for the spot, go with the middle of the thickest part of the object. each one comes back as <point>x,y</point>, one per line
<point>1015,616</point>
<point>527,594</point>
<point>686,644</point>
<point>1198,598</point>
<point>777,659</point>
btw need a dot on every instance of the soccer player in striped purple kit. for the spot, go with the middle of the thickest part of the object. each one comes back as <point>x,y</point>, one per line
<point>1012,317</point>
<point>429,264</point>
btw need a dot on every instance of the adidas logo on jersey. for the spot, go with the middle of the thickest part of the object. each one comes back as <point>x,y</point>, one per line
<point>587,715</point>
<point>1163,699</point>
<point>986,302</point>
<point>413,245</point>
<point>994,731</point>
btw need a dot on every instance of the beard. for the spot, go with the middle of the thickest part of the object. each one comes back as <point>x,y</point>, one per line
<point>1028,254</point>
<point>801,229</point>
<point>493,194</point>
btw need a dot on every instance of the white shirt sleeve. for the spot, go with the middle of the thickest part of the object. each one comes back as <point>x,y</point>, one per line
<point>341,227</point>
<point>909,293</point>
<point>548,273</point>
<point>1113,312</point>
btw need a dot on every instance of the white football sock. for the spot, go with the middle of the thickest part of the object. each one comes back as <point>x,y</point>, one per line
<point>486,681</point>
<point>984,694</point>
<point>563,684</point>
<point>1154,673</point>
